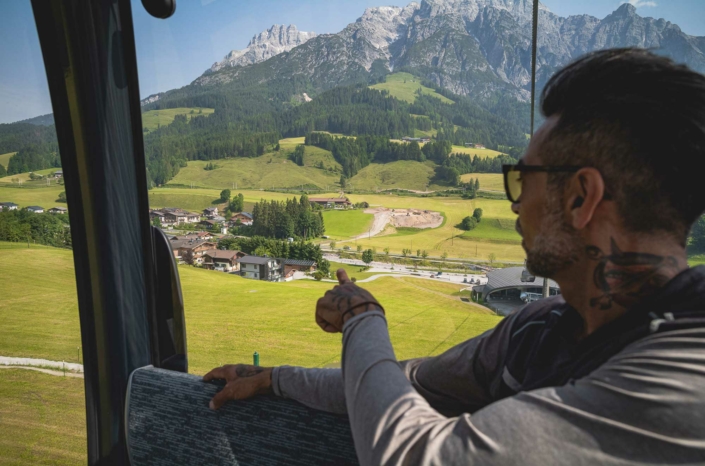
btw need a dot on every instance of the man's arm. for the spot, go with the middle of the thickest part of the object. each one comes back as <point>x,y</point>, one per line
<point>629,410</point>
<point>461,380</point>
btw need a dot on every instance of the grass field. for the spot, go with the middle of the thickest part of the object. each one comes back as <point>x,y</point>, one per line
<point>5,158</point>
<point>491,237</point>
<point>155,118</point>
<point>25,176</point>
<point>227,317</point>
<point>488,181</point>
<point>482,153</point>
<point>199,199</point>
<point>402,174</point>
<point>42,419</point>
<point>23,197</point>
<point>342,224</point>
<point>403,86</point>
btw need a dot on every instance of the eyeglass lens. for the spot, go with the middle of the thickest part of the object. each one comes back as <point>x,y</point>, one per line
<point>514,185</point>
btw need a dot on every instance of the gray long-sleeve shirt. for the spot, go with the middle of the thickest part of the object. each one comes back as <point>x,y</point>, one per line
<point>645,404</point>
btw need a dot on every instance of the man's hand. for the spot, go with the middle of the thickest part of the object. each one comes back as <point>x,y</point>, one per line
<point>343,302</point>
<point>243,381</point>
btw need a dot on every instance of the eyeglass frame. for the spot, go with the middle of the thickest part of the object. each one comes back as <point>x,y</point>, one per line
<point>520,167</point>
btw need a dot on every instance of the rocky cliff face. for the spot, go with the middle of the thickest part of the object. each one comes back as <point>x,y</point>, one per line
<point>471,47</point>
<point>265,45</point>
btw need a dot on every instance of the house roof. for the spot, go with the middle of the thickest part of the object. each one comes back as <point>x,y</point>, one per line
<point>210,209</point>
<point>302,263</point>
<point>246,214</point>
<point>8,204</point>
<point>259,260</point>
<point>59,208</point>
<point>221,254</point>
<point>209,222</point>
<point>35,207</point>
<point>189,243</point>
<point>511,277</point>
<point>177,212</point>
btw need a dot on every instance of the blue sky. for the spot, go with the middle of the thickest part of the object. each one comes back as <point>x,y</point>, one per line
<point>173,52</point>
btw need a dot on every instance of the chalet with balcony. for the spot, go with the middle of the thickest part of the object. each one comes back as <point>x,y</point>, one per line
<point>261,268</point>
<point>222,261</point>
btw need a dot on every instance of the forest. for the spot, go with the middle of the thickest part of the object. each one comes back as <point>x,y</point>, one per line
<point>25,226</point>
<point>287,219</point>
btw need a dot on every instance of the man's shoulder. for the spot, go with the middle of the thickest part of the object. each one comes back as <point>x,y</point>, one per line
<point>540,309</point>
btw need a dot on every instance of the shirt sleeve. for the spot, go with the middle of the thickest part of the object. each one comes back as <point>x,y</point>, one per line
<point>463,379</point>
<point>320,389</point>
<point>629,411</point>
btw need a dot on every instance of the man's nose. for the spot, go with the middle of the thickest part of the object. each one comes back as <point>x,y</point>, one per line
<point>515,207</point>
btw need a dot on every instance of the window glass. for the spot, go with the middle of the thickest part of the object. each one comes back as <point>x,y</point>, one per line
<point>42,406</point>
<point>286,139</point>
<point>570,28</point>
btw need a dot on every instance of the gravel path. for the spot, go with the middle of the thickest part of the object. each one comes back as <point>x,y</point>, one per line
<point>46,371</point>
<point>43,363</point>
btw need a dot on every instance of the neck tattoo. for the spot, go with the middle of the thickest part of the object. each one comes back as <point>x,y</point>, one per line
<point>627,277</point>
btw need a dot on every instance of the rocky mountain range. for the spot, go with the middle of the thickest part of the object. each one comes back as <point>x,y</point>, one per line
<point>265,45</point>
<point>477,48</point>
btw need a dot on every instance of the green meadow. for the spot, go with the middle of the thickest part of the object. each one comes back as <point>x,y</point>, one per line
<point>488,181</point>
<point>227,317</point>
<point>44,196</point>
<point>404,86</point>
<point>402,174</point>
<point>25,176</point>
<point>42,417</point>
<point>153,119</point>
<point>5,158</point>
<point>344,224</point>
<point>272,170</point>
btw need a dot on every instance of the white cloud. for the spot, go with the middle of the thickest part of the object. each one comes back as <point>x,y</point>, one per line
<point>641,3</point>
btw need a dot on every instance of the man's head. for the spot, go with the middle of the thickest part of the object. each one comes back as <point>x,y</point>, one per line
<point>636,122</point>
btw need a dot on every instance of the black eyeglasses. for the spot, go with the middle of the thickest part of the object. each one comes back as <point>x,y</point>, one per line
<point>513,181</point>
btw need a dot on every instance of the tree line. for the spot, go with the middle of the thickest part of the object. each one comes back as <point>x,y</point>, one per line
<point>22,225</point>
<point>354,154</point>
<point>287,219</point>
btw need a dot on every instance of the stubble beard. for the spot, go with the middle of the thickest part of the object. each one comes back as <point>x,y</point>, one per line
<point>557,245</point>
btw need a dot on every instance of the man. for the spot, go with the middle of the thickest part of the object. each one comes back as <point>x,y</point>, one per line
<point>612,371</point>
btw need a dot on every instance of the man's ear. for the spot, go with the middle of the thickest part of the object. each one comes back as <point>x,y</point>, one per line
<point>584,193</point>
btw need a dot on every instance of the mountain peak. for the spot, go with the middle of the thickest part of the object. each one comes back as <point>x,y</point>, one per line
<point>263,46</point>
<point>625,9</point>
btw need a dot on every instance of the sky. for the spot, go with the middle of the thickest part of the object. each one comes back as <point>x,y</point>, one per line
<point>172,53</point>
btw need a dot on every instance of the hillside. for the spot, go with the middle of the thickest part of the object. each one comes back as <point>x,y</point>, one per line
<point>405,86</point>
<point>153,119</point>
<point>402,174</point>
<point>267,171</point>
<point>228,318</point>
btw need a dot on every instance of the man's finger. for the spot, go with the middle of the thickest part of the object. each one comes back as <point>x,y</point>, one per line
<point>342,276</point>
<point>215,374</point>
<point>221,397</point>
